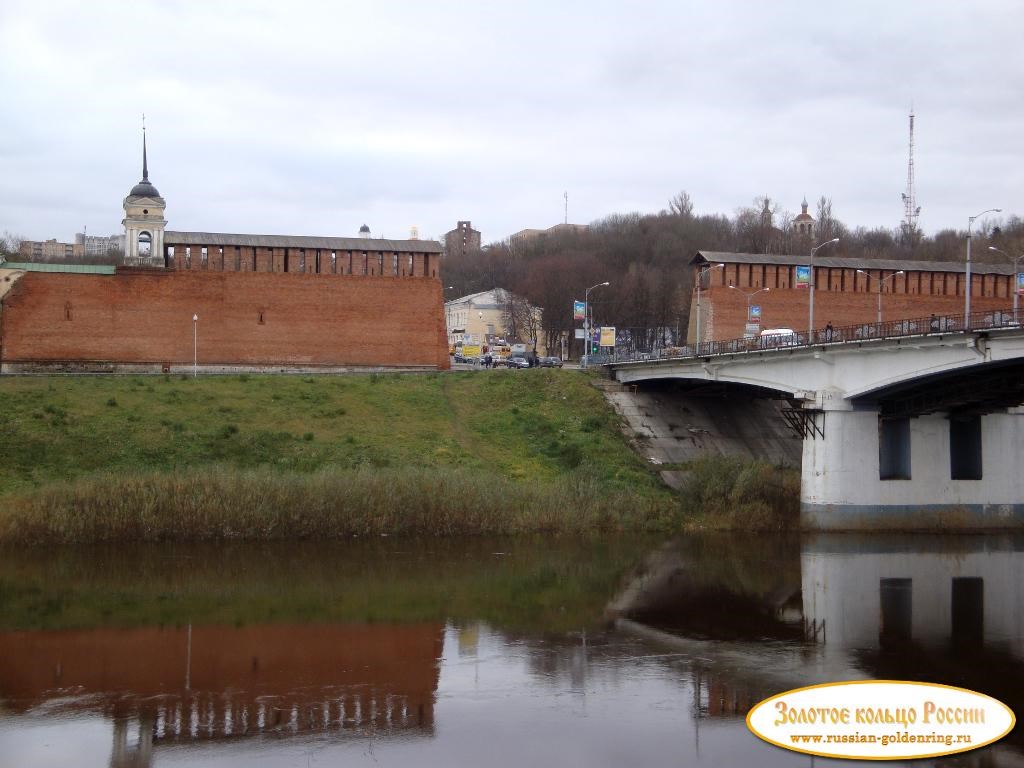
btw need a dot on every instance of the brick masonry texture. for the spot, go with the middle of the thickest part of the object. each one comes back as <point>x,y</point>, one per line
<point>725,310</point>
<point>245,318</point>
<point>841,297</point>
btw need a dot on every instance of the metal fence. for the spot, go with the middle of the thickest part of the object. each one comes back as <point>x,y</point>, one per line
<point>890,329</point>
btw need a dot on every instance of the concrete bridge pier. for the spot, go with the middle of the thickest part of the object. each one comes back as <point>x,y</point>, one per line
<point>916,426</point>
<point>931,472</point>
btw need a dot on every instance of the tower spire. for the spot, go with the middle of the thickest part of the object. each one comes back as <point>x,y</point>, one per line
<point>145,165</point>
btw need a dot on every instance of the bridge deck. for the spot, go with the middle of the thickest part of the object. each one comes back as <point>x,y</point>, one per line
<point>834,337</point>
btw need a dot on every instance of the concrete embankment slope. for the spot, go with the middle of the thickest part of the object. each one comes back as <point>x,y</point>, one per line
<point>670,427</point>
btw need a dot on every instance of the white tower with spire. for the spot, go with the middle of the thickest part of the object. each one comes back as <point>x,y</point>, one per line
<point>144,220</point>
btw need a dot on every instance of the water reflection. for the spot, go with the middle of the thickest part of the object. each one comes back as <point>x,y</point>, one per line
<point>552,652</point>
<point>211,683</point>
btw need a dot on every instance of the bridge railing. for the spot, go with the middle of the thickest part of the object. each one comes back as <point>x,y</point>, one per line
<point>889,329</point>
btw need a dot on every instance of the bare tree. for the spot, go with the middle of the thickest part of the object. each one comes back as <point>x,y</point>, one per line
<point>681,205</point>
<point>10,244</point>
<point>755,228</point>
<point>521,319</point>
<point>828,226</point>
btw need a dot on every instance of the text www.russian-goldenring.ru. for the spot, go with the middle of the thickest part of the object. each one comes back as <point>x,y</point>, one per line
<point>885,740</point>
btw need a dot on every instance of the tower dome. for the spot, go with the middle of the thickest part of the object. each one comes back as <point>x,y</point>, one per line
<point>144,189</point>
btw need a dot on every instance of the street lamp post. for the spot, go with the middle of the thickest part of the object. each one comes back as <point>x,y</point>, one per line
<point>700,279</point>
<point>195,346</point>
<point>586,320</point>
<point>1013,278</point>
<point>880,284</point>
<point>810,316</point>
<point>749,296</point>
<point>967,286</point>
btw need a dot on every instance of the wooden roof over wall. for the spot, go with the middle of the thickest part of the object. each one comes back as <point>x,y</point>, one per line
<point>302,241</point>
<point>841,262</point>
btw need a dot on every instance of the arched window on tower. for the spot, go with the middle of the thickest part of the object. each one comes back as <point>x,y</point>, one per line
<point>145,244</point>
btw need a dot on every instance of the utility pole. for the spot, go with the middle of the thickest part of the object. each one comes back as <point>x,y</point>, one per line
<point>566,196</point>
<point>967,277</point>
<point>810,314</point>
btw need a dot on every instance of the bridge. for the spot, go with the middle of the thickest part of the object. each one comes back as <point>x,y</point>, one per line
<point>911,423</point>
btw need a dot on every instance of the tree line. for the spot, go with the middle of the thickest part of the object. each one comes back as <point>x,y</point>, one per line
<point>646,260</point>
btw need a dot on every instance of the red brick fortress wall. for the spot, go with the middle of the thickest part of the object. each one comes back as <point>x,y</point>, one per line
<point>725,310</point>
<point>245,319</point>
<point>843,296</point>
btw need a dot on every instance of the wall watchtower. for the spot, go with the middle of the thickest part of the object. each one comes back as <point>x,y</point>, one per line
<point>144,221</point>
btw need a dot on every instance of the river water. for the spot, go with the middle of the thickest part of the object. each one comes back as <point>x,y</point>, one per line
<point>522,652</point>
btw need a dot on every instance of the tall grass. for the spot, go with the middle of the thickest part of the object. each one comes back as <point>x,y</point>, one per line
<point>231,503</point>
<point>728,492</point>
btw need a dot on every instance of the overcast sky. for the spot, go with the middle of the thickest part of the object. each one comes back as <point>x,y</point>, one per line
<point>314,118</point>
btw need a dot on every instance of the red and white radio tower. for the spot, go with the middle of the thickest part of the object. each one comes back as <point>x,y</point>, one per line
<point>911,210</point>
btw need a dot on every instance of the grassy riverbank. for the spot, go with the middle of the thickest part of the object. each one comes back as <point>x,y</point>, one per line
<point>158,458</point>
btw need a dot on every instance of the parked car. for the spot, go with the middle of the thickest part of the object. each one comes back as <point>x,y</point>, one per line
<point>550,362</point>
<point>497,361</point>
<point>518,362</point>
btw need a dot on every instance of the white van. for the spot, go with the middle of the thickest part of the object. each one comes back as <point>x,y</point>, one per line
<point>778,337</point>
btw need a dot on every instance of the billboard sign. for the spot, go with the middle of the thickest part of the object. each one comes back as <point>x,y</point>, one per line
<point>607,336</point>
<point>755,314</point>
<point>580,333</point>
<point>579,310</point>
<point>1020,283</point>
<point>803,277</point>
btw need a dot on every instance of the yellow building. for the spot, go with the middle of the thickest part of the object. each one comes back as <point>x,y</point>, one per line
<point>494,318</point>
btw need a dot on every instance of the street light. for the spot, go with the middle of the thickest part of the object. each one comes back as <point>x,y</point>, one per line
<point>749,296</point>
<point>195,346</point>
<point>586,320</point>
<point>700,279</point>
<point>967,287</point>
<point>810,317</point>
<point>880,284</point>
<point>1013,279</point>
